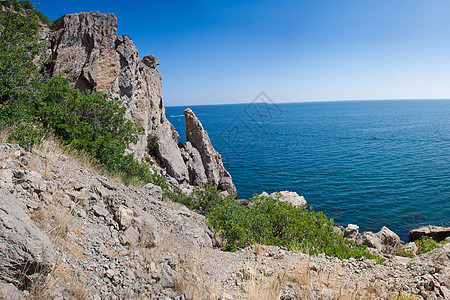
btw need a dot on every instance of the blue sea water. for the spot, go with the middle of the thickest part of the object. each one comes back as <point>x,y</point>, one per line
<point>370,163</point>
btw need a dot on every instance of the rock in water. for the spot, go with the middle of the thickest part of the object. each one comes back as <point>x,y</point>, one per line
<point>438,233</point>
<point>24,250</point>
<point>212,161</point>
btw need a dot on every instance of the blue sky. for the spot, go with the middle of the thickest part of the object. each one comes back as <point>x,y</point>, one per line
<point>215,52</point>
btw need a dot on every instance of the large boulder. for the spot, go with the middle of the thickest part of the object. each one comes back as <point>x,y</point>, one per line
<point>25,251</point>
<point>291,197</point>
<point>389,240</point>
<point>438,233</point>
<point>211,159</point>
<point>386,241</point>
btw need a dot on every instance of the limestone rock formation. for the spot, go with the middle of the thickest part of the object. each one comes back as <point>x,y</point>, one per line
<point>212,161</point>
<point>386,241</point>
<point>438,233</point>
<point>193,159</point>
<point>24,250</point>
<point>89,53</point>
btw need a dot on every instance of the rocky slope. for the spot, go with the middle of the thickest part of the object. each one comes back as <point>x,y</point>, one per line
<point>68,232</point>
<point>88,51</point>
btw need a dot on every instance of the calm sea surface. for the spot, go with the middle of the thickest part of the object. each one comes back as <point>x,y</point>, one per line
<point>370,163</point>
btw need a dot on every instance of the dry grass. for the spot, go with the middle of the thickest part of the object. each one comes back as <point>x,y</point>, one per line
<point>4,135</point>
<point>52,149</point>
<point>45,285</point>
<point>261,287</point>
<point>192,281</point>
<point>258,249</point>
<point>54,219</point>
<point>402,296</point>
<point>311,282</point>
<point>77,289</point>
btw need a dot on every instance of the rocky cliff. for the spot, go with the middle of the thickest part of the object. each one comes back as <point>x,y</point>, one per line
<point>88,51</point>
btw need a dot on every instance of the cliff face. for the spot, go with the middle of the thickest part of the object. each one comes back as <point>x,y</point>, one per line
<point>88,51</point>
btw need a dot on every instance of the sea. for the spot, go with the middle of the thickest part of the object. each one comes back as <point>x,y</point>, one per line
<point>370,163</point>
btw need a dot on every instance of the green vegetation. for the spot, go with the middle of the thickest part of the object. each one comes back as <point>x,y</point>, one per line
<point>426,244</point>
<point>30,105</point>
<point>152,144</point>
<point>28,7</point>
<point>269,222</point>
<point>401,251</point>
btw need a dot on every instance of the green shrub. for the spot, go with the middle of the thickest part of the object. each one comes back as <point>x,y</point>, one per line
<point>401,251</point>
<point>20,81</point>
<point>426,244</point>
<point>57,24</point>
<point>30,106</point>
<point>270,222</point>
<point>25,6</point>
<point>152,144</point>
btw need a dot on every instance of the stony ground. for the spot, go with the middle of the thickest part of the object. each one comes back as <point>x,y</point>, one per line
<point>111,241</point>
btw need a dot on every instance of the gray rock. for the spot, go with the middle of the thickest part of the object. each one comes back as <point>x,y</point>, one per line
<point>441,256</point>
<point>25,250</point>
<point>6,179</point>
<point>445,292</point>
<point>36,182</point>
<point>351,231</point>
<point>153,191</point>
<point>291,197</point>
<point>124,216</point>
<point>385,240</point>
<point>197,174</point>
<point>211,159</point>
<point>369,239</point>
<point>130,236</point>
<point>150,61</point>
<point>89,53</point>
<point>224,194</point>
<point>166,277</point>
<point>389,240</point>
<point>438,233</point>
<point>169,153</point>
<point>100,211</point>
<point>10,292</point>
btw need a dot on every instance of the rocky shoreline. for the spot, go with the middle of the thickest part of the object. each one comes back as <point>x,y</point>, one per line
<point>69,232</point>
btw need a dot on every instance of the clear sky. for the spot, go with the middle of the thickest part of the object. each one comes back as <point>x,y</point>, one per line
<point>215,52</point>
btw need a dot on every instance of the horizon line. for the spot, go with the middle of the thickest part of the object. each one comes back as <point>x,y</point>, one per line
<point>314,101</point>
